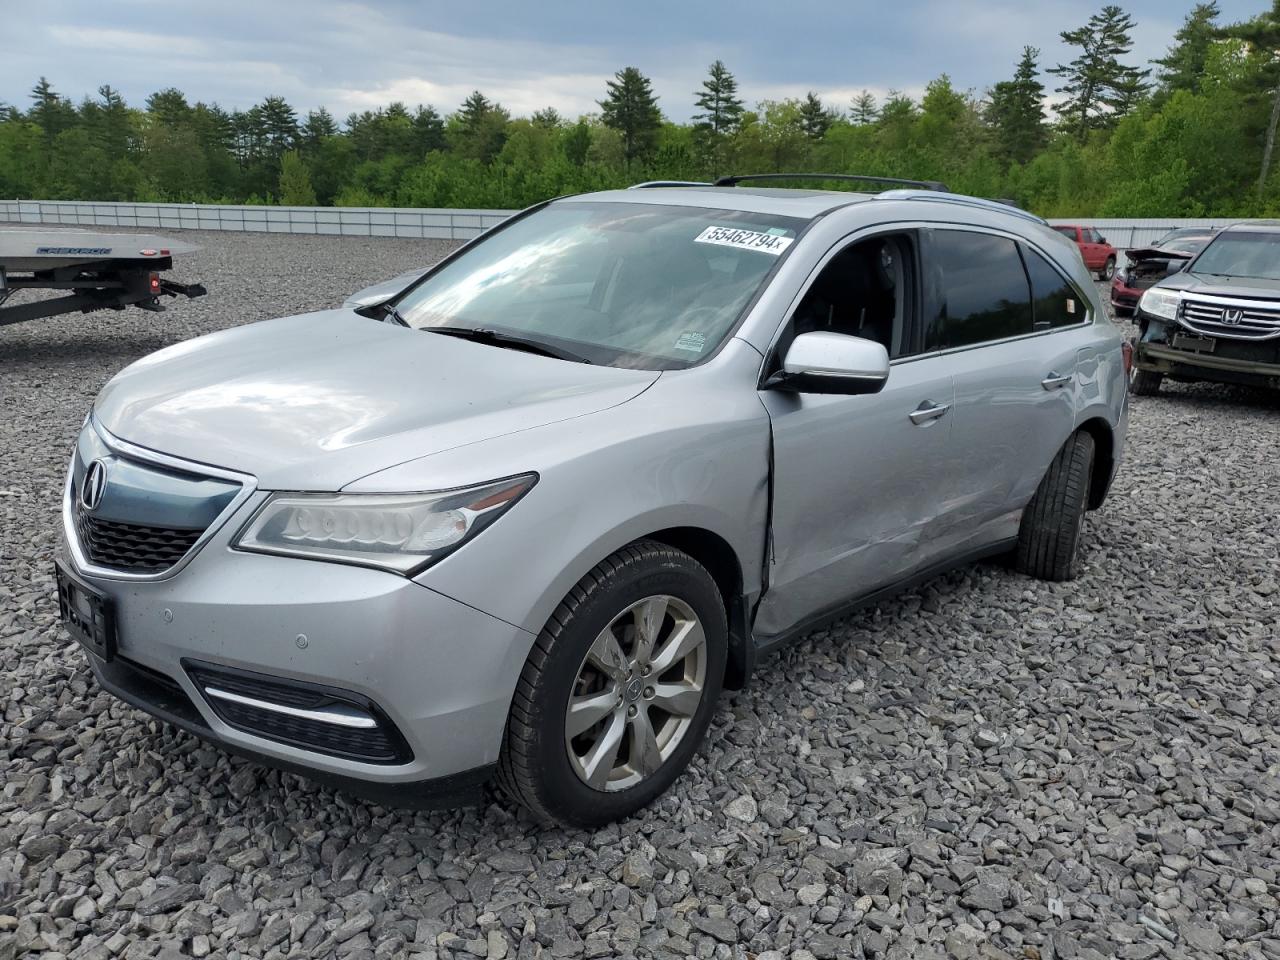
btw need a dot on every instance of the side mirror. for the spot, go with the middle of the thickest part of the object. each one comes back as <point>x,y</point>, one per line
<point>832,363</point>
<point>1102,239</point>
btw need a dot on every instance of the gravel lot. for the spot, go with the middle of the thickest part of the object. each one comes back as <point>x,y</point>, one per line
<point>985,767</point>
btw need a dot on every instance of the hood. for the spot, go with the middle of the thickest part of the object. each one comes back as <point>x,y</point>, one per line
<point>1249,288</point>
<point>317,401</point>
<point>382,292</point>
<point>1156,253</point>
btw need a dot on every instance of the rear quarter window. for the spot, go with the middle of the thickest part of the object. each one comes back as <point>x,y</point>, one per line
<point>1054,301</point>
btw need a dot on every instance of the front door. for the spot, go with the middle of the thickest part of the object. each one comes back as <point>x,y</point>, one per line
<point>859,482</point>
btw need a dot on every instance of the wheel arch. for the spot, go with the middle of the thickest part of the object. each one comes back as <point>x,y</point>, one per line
<point>721,561</point>
<point>1104,459</point>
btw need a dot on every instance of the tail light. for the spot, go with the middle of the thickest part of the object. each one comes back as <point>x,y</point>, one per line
<point>1126,349</point>
<point>155,284</point>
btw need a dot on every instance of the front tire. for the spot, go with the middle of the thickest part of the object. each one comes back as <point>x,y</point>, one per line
<point>1049,536</point>
<point>619,689</point>
<point>1145,383</point>
<point>1108,269</point>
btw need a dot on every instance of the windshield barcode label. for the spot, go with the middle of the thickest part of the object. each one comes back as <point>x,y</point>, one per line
<point>744,239</point>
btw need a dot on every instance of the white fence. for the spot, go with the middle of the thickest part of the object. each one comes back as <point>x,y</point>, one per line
<point>395,222</point>
<point>345,221</point>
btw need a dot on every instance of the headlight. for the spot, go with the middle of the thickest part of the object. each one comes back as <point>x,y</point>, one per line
<point>1160,303</point>
<point>402,533</point>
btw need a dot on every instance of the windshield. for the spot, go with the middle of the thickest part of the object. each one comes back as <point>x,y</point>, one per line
<point>623,284</point>
<point>1183,241</point>
<point>1241,253</point>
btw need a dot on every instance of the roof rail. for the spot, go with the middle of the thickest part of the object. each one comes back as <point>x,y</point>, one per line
<point>856,178</point>
<point>1002,205</point>
<point>669,183</point>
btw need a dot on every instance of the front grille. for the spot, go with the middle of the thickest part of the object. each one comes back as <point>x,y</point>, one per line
<point>379,743</point>
<point>132,547</point>
<point>1256,321</point>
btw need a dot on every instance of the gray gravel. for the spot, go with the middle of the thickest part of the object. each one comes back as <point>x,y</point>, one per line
<point>985,767</point>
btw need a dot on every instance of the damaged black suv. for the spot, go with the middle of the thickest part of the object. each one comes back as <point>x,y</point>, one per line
<point>1219,318</point>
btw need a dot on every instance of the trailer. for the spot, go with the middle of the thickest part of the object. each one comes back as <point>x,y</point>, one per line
<point>98,271</point>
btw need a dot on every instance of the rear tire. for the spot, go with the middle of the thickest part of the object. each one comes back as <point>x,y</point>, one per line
<point>1049,536</point>
<point>630,748</point>
<point>1145,383</point>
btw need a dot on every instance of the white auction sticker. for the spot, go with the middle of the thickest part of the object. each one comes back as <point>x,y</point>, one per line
<point>744,239</point>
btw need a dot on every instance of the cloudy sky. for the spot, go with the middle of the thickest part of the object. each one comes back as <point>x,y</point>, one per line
<point>351,55</point>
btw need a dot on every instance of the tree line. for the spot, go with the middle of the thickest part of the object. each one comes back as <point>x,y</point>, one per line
<point>1190,134</point>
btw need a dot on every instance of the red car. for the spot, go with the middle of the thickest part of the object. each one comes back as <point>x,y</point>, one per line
<point>1099,256</point>
<point>1147,266</point>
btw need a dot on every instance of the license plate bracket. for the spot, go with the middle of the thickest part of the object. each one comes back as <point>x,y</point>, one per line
<point>1195,344</point>
<point>88,615</point>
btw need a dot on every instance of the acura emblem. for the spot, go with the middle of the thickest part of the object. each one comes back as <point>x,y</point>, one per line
<point>1232,316</point>
<point>94,485</point>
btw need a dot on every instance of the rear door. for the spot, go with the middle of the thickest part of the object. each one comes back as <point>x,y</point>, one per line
<point>1012,359</point>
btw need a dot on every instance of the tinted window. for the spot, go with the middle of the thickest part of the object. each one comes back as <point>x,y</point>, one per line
<point>1054,302</point>
<point>981,288</point>
<point>1067,231</point>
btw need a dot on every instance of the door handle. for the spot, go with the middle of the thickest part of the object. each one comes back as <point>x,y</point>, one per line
<point>1053,381</point>
<point>927,412</point>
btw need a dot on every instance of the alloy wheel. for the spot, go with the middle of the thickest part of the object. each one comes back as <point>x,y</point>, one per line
<point>636,693</point>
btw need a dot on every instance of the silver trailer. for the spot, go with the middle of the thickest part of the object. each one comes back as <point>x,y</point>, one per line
<point>98,271</point>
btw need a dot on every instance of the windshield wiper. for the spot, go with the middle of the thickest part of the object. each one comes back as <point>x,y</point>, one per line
<point>389,312</point>
<point>509,340</point>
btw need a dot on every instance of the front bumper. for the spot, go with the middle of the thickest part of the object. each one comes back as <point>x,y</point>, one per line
<point>1124,297</point>
<point>1247,363</point>
<point>441,673</point>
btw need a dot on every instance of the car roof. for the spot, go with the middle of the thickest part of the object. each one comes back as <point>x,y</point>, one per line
<point>1259,226</point>
<point>785,202</point>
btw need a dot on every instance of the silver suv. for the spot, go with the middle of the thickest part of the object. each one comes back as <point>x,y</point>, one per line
<point>530,516</point>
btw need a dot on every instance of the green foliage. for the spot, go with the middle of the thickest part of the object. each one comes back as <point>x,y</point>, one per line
<point>295,181</point>
<point>632,110</point>
<point>1199,145</point>
<point>1099,88</point>
<point>1183,66</point>
<point>1016,111</point>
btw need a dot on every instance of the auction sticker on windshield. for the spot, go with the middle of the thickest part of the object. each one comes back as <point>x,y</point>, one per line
<point>744,239</point>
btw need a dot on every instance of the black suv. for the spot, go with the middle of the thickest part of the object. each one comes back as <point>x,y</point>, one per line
<point>1219,318</point>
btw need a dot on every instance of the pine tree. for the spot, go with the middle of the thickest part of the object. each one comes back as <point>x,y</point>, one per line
<point>815,118</point>
<point>50,112</point>
<point>295,181</point>
<point>479,129</point>
<point>1183,66</point>
<point>428,130</point>
<point>1262,34</point>
<point>318,125</point>
<point>548,118</point>
<point>279,125</point>
<point>1016,111</point>
<point>863,109</point>
<point>1099,88</point>
<point>721,110</point>
<point>631,108</point>
<point>169,107</point>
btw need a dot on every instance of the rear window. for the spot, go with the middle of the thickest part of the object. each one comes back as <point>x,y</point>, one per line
<point>1069,232</point>
<point>982,289</point>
